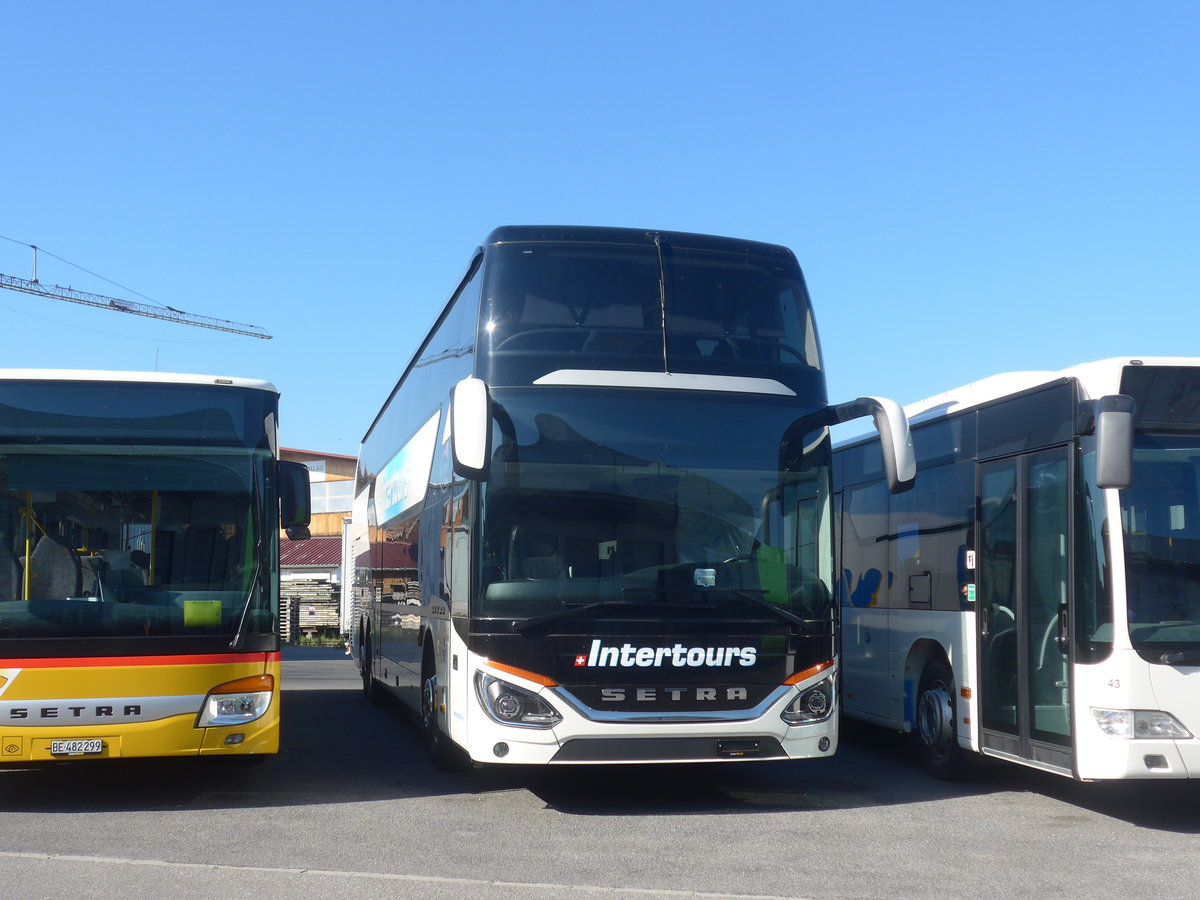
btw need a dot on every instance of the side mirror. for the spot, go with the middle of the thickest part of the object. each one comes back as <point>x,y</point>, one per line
<point>1114,441</point>
<point>295,499</point>
<point>895,438</point>
<point>471,429</point>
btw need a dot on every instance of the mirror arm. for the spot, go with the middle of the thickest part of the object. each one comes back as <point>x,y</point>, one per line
<point>895,437</point>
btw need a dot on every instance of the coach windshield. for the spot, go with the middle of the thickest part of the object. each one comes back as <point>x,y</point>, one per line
<point>587,513</point>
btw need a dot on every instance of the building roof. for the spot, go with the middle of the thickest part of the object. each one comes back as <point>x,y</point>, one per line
<point>317,551</point>
<point>395,555</point>
<point>327,551</point>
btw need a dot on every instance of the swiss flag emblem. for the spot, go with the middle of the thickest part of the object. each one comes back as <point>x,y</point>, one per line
<point>581,660</point>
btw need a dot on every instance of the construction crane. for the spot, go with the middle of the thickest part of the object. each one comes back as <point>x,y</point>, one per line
<point>167,313</point>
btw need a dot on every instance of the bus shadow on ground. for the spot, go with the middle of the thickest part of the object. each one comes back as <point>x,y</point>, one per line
<point>864,773</point>
<point>334,748</point>
<point>1159,805</point>
<point>873,767</point>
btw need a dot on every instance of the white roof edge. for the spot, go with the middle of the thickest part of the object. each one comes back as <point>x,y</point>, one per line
<point>1097,378</point>
<point>133,377</point>
<point>666,380</point>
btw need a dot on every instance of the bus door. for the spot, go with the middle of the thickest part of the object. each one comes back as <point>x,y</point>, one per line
<point>1023,572</point>
<point>868,686</point>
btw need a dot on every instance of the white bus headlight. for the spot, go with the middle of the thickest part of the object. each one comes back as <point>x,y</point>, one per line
<point>510,705</point>
<point>814,704</point>
<point>1139,724</point>
<point>237,702</point>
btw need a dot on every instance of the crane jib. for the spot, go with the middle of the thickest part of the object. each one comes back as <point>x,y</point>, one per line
<point>57,292</point>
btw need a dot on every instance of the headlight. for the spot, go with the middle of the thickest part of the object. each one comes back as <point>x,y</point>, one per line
<point>1139,724</point>
<point>237,702</point>
<point>510,705</point>
<point>813,704</point>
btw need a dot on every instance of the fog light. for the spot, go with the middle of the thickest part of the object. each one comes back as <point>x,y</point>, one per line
<point>234,738</point>
<point>1154,761</point>
<point>823,744</point>
<point>501,750</point>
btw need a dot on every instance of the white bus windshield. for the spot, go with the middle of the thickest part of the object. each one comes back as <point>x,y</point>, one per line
<point>1160,516</point>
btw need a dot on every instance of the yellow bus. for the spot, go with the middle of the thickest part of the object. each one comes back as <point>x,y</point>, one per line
<point>139,562</point>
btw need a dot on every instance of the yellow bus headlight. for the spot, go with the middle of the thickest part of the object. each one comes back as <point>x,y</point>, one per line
<point>237,702</point>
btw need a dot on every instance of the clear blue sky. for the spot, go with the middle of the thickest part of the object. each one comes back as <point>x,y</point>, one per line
<point>970,188</point>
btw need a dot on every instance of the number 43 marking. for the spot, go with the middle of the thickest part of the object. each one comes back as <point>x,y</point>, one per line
<point>1114,683</point>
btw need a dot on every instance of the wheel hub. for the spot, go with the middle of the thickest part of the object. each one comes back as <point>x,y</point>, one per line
<point>934,717</point>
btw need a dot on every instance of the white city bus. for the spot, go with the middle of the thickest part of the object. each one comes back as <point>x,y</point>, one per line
<point>592,521</point>
<point>1036,596</point>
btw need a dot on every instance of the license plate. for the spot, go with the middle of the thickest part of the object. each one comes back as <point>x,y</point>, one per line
<point>83,747</point>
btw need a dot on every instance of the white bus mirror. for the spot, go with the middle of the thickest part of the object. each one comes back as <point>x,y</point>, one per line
<point>471,429</point>
<point>1114,441</point>
<point>895,438</point>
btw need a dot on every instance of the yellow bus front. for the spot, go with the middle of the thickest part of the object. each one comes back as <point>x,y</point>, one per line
<point>110,707</point>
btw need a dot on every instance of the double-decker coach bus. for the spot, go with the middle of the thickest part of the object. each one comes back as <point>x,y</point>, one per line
<point>139,553</point>
<point>592,521</point>
<point>1036,596</point>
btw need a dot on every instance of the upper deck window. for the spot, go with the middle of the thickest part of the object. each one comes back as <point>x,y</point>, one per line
<point>645,307</point>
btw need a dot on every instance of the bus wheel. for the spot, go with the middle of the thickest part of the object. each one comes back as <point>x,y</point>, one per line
<point>369,687</point>
<point>442,752</point>
<point>938,744</point>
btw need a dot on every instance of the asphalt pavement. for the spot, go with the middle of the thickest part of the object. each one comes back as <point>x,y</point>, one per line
<point>352,808</point>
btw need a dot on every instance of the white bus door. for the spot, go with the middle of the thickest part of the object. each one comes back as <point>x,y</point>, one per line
<point>1023,589</point>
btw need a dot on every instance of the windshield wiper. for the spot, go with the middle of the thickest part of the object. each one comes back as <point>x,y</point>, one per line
<point>802,624</point>
<point>255,583</point>
<point>236,643</point>
<point>608,606</point>
<point>1180,657</point>
<point>605,607</point>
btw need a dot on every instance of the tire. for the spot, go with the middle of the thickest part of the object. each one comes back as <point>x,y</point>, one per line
<point>936,715</point>
<point>370,689</point>
<point>445,756</point>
